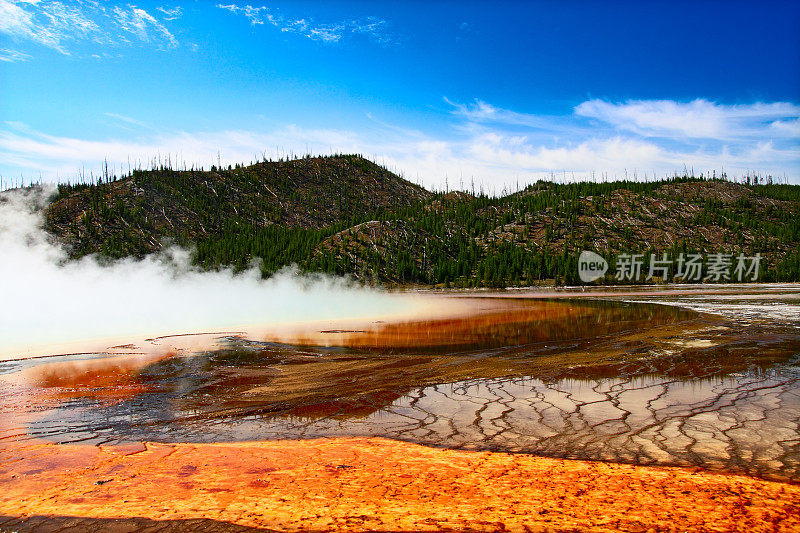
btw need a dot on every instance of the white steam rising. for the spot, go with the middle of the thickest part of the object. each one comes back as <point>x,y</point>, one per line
<point>45,299</point>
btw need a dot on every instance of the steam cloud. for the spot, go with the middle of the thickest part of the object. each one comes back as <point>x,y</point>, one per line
<point>46,299</point>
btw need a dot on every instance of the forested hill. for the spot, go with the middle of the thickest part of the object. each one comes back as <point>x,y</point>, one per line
<point>347,215</point>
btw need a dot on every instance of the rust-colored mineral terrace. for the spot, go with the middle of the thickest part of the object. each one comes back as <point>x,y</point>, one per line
<point>367,485</point>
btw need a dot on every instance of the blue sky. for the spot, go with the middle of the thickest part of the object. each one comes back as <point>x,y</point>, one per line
<point>501,93</point>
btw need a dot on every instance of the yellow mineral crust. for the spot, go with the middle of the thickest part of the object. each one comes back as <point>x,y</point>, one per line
<point>361,484</point>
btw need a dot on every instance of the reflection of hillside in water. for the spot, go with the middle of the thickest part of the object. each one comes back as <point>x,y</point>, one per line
<point>495,323</point>
<point>573,378</point>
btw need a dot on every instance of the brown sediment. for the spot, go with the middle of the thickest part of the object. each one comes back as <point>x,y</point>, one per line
<point>371,484</point>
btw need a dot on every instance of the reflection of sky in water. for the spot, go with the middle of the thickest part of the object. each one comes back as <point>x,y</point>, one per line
<point>742,308</point>
<point>580,380</point>
<point>745,422</point>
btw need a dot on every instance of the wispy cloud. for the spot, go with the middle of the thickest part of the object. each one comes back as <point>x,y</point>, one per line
<point>375,28</point>
<point>497,148</point>
<point>480,112</point>
<point>28,148</point>
<point>50,24</point>
<point>12,56</point>
<point>171,13</point>
<point>653,136</point>
<point>61,26</point>
<point>696,119</point>
<point>128,120</point>
<point>143,26</point>
<point>256,15</point>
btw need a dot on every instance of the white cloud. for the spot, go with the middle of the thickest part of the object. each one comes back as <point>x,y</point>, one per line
<point>61,26</point>
<point>496,147</point>
<point>256,15</point>
<point>59,155</point>
<point>656,137</point>
<point>143,26</point>
<point>786,128</point>
<point>50,24</point>
<point>128,120</point>
<point>696,119</point>
<point>615,153</point>
<point>373,27</point>
<point>12,56</point>
<point>171,13</point>
<point>480,113</point>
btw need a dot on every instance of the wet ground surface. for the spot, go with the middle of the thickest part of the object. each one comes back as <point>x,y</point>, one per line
<point>707,380</point>
<point>369,484</point>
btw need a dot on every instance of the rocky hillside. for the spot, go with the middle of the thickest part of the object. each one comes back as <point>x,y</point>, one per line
<point>133,215</point>
<point>347,215</point>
